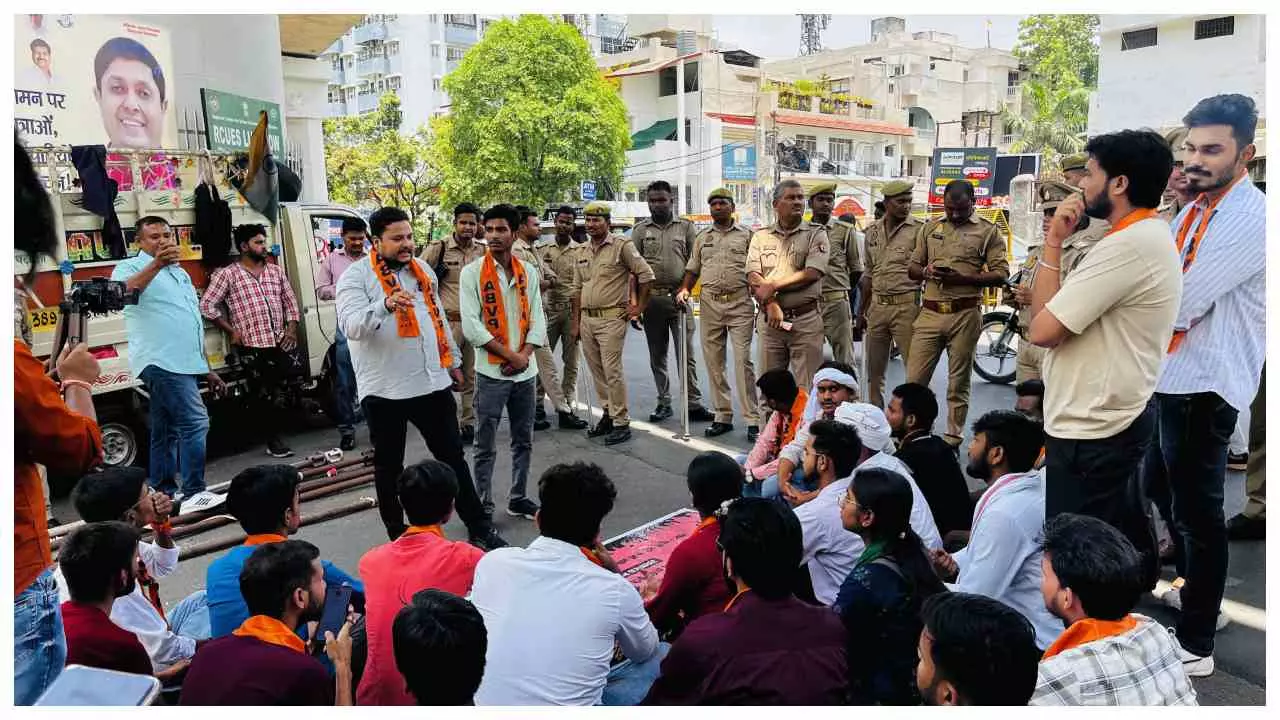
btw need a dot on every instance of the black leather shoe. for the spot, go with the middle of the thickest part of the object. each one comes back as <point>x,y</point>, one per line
<point>619,435</point>
<point>348,442</point>
<point>569,421</point>
<point>1242,527</point>
<point>717,429</point>
<point>604,427</point>
<point>701,414</point>
<point>753,434</point>
<point>539,413</point>
<point>541,424</point>
<point>487,540</point>
<point>468,434</point>
<point>661,413</point>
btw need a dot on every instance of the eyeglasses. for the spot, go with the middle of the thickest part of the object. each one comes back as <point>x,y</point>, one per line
<point>848,499</point>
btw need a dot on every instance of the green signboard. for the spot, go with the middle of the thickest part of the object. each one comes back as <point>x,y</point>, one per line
<point>230,120</point>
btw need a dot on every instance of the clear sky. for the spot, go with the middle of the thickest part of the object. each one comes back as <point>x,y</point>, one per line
<point>777,36</point>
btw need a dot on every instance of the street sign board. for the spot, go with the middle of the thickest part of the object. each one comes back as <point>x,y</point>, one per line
<point>976,165</point>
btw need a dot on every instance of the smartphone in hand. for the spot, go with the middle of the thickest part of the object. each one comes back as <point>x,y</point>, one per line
<point>337,601</point>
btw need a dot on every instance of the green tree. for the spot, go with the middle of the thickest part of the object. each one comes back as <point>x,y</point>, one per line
<point>1058,49</point>
<point>1052,123</point>
<point>370,163</point>
<point>531,116</point>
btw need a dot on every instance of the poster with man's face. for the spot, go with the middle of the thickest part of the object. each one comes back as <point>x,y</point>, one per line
<point>93,80</point>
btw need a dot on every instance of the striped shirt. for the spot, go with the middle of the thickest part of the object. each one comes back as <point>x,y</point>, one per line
<point>1223,301</point>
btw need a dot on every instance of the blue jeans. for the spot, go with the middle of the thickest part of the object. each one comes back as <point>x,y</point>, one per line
<point>768,488</point>
<point>629,681</point>
<point>492,396</point>
<point>39,645</point>
<point>190,618</point>
<point>344,389</point>
<point>179,427</point>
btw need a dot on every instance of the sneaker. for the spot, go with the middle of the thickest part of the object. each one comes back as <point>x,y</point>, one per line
<point>569,421</point>
<point>604,427</point>
<point>1194,665</point>
<point>1238,462</point>
<point>1243,527</point>
<point>619,435</point>
<point>753,434</point>
<point>277,449</point>
<point>1173,599</point>
<point>522,508</point>
<point>348,441</point>
<point>468,434</point>
<point>487,540</point>
<point>701,414</point>
<point>717,429</point>
<point>662,412</point>
<point>541,423</point>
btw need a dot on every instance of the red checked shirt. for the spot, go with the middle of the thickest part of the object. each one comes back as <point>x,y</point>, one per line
<point>259,306</point>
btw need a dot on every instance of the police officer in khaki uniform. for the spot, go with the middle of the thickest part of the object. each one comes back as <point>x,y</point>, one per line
<point>1175,195</point>
<point>956,257</point>
<point>561,257</point>
<point>719,258</point>
<point>665,242</point>
<point>1090,230</point>
<point>844,267</point>
<point>890,299</point>
<point>785,265</point>
<point>527,234</point>
<point>447,258</point>
<point>601,311</point>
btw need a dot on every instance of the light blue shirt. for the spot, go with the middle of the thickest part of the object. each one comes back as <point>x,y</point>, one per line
<point>387,365</point>
<point>1224,302</point>
<point>1002,559</point>
<point>165,328</point>
<point>477,333</point>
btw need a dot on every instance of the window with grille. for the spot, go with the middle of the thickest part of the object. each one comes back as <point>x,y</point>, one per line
<point>393,49</point>
<point>1137,39</point>
<point>839,150</point>
<point>435,51</point>
<point>455,54</point>
<point>807,143</point>
<point>393,82</point>
<point>461,20</point>
<point>435,83</point>
<point>1216,27</point>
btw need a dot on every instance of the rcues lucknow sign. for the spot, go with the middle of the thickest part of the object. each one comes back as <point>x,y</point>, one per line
<point>230,120</point>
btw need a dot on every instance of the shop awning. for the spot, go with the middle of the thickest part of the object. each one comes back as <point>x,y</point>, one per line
<point>661,130</point>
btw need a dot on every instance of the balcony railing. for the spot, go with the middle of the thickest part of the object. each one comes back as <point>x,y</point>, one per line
<point>372,66</point>
<point>372,32</point>
<point>461,34</point>
<point>395,65</point>
<point>367,102</point>
<point>926,134</point>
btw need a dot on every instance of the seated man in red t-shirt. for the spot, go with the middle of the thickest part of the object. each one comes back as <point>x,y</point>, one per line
<point>420,559</point>
<point>264,662</point>
<point>98,562</point>
<point>693,583</point>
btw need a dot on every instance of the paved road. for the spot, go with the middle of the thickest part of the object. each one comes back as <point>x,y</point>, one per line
<point>649,474</point>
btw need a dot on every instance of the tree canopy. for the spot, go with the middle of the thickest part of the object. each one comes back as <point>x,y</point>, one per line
<point>1060,53</point>
<point>530,117</point>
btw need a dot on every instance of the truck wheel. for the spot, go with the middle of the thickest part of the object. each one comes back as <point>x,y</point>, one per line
<point>125,439</point>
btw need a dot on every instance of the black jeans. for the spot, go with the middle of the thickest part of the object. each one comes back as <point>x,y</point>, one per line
<point>267,373</point>
<point>1102,479</point>
<point>435,417</point>
<point>1192,434</point>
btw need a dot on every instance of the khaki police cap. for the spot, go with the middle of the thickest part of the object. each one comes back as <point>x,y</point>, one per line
<point>1053,193</point>
<point>820,188</point>
<point>1176,137</point>
<point>597,209</point>
<point>897,187</point>
<point>1074,162</point>
<point>722,193</point>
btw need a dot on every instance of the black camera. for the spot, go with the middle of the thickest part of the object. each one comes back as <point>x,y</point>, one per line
<point>100,296</point>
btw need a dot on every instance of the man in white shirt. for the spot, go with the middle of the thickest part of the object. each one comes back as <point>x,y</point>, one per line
<point>1212,370</point>
<point>170,639</point>
<point>556,610</point>
<point>836,451</point>
<point>1002,559</point>
<point>407,367</point>
<point>1107,327</point>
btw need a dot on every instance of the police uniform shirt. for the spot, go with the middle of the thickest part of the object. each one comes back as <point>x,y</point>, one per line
<point>888,256</point>
<point>666,249</point>
<point>845,259</point>
<point>965,248</point>
<point>719,259</point>
<point>776,253</point>
<point>604,272</point>
<point>562,262</point>
<point>454,258</point>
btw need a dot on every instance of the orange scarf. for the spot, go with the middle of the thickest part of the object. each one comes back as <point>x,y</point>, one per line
<point>734,599</point>
<point>1083,632</point>
<point>270,630</point>
<point>587,552</point>
<point>791,422</point>
<point>421,529</point>
<point>1183,231</point>
<point>406,318</point>
<point>706,523</point>
<point>492,309</point>
<point>264,538</point>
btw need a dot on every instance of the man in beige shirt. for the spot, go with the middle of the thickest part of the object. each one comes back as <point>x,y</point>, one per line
<point>560,257</point>
<point>785,265</point>
<point>665,242</point>
<point>448,257</point>
<point>719,259</point>
<point>601,310</point>
<point>956,257</point>
<point>1107,327</point>
<point>527,234</point>
<point>890,299</point>
<point>844,267</point>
